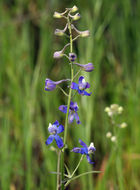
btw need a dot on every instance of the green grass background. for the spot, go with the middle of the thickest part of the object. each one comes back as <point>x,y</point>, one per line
<point>27,44</point>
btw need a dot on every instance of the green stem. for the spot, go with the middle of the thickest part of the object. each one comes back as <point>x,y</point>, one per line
<point>68,106</point>
<point>58,170</point>
<point>62,91</point>
<point>70,91</point>
<point>118,155</point>
<point>77,74</point>
<point>80,176</point>
<point>77,166</point>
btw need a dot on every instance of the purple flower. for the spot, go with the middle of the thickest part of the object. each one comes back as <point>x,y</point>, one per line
<point>81,86</point>
<point>72,112</point>
<point>54,129</point>
<point>51,85</point>
<point>85,150</point>
<point>72,57</point>
<point>87,67</point>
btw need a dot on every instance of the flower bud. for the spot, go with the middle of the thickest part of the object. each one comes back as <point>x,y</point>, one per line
<point>85,33</point>
<point>123,125</point>
<point>113,139</point>
<point>49,85</point>
<point>52,148</point>
<point>110,113</point>
<point>72,57</point>
<point>58,54</point>
<point>59,32</point>
<point>74,9</point>
<point>120,109</point>
<point>57,15</point>
<point>107,109</point>
<point>76,16</point>
<point>108,134</point>
<point>114,107</point>
<point>87,67</point>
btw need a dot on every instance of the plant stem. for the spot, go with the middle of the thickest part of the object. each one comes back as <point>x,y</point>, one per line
<point>77,73</point>
<point>58,170</point>
<point>70,91</point>
<point>77,166</point>
<point>68,106</point>
<point>80,176</point>
<point>62,91</point>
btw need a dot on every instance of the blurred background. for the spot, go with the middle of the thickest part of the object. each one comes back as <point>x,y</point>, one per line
<point>27,44</point>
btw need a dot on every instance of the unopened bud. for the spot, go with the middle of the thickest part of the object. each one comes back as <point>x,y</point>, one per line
<point>108,134</point>
<point>72,57</point>
<point>107,109</point>
<point>85,33</point>
<point>59,32</point>
<point>120,109</point>
<point>110,113</point>
<point>123,125</point>
<point>76,16</point>
<point>52,148</point>
<point>87,67</point>
<point>58,54</point>
<point>50,86</point>
<point>74,9</point>
<point>113,139</point>
<point>114,107</point>
<point>57,15</point>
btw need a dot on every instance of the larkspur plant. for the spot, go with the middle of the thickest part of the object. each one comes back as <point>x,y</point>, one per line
<point>71,108</point>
